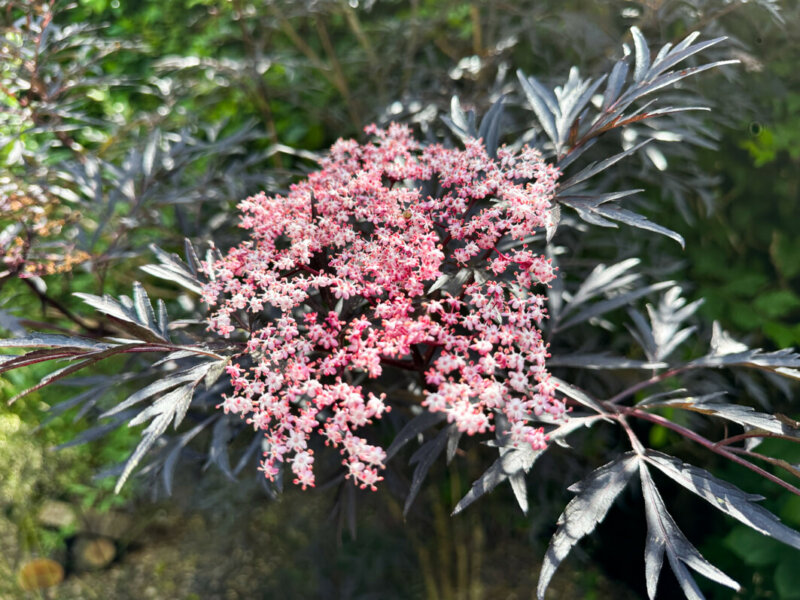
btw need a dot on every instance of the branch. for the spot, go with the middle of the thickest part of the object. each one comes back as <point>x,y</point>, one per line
<point>699,439</point>
<point>45,299</point>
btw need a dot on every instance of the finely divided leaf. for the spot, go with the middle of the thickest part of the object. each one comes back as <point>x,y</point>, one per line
<point>453,437</point>
<point>612,303</point>
<point>460,122</point>
<point>171,406</point>
<point>161,385</point>
<point>615,82</point>
<point>423,421</point>
<point>168,468</point>
<point>663,535</point>
<point>595,211</point>
<point>594,168</point>
<point>214,371</point>
<point>250,452</point>
<point>633,219</point>
<point>424,457</point>
<point>738,413</point>
<point>642,55</point>
<point>134,316</point>
<point>218,448</point>
<point>604,279</point>
<point>514,461</point>
<point>149,436</point>
<point>172,268</point>
<point>553,219</point>
<point>109,306</point>
<point>163,320</point>
<point>43,340</point>
<point>192,259</point>
<point>489,131</point>
<point>144,309</point>
<point>662,335</point>
<point>722,344</point>
<point>168,403</point>
<point>725,497</point>
<point>727,352</point>
<point>543,102</point>
<point>602,361</point>
<point>518,486</point>
<point>595,495</point>
<point>578,395</point>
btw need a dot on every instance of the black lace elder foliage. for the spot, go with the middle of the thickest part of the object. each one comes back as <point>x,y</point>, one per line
<point>571,124</point>
<point>583,307</point>
<point>113,174</point>
<point>574,116</point>
<point>147,332</point>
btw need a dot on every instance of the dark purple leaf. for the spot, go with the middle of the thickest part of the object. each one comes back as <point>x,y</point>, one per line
<point>663,535</point>
<point>595,496</point>
<point>168,469</point>
<point>725,497</point>
<point>543,102</point>
<point>423,421</point>
<point>43,340</point>
<point>424,457</point>
<point>513,461</point>
<point>218,449</point>
<point>613,303</point>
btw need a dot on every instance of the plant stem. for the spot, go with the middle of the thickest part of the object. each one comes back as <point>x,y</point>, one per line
<point>727,441</point>
<point>699,439</point>
<point>647,383</point>
<point>339,78</point>
<point>47,300</point>
<point>262,96</point>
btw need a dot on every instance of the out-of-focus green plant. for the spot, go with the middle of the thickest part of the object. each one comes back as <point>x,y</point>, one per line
<point>32,472</point>
<point>747,261</point>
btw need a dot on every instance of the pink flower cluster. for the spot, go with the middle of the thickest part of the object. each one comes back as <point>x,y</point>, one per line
<point>330,290</point>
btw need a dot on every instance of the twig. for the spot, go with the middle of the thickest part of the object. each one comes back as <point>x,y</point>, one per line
<point>647,383</point>
<point>262,96</point>
<point>411,49</point>
<point>355,25</point>
<point>477,33</point>
<point>699,439</point>
<point>341,81</point>
<point>727,441</point>
<point>777,462</point>
<point>45,299</point>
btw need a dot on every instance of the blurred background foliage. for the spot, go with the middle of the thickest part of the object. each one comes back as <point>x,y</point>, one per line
<point>127,123</point>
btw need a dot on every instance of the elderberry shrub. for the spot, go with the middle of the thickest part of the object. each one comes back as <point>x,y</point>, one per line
<point>432,268</point>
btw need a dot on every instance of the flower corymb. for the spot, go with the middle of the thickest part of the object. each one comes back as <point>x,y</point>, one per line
<point>386,263</point>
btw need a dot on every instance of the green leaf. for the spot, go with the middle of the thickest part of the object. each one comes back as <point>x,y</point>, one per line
<point>776,304</point>
<point>785,253</point>
<point>787,577</point>
<point>595,496</point>
<point>782,334</point>
<point>752,548</point>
